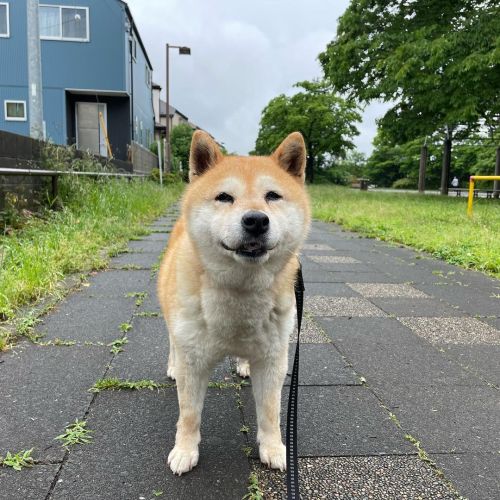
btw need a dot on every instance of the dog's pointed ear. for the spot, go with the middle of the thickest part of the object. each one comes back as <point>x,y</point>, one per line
<point>205,153</point>
<point>291,155</point>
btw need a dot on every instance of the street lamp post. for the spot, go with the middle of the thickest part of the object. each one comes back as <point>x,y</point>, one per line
<point>183,51</point>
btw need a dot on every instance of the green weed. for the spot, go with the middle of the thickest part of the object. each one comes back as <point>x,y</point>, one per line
<point>76,433</point>
<point>116,384</point>
<point>18,461</point>
<point>116,345</point>
<point>125,327</point>
<point>139,296</point>
<point>254,491</point>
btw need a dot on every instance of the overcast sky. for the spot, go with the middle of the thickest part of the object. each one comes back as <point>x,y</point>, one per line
<point>244,53</point>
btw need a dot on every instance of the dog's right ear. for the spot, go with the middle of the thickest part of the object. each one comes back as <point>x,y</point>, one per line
<point>205,153</point>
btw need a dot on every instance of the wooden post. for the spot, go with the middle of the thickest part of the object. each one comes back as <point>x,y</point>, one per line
<point>445,172</point>
<point>55,190</point>
<point>496,184</point>
<point>422,168</point>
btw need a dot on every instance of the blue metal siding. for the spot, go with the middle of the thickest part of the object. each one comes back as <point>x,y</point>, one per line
<point>13,66</point>
<point>143,101</point>
<point>102,64</point>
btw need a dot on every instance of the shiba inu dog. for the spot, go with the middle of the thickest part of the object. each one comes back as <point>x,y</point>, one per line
<point>226,283</point>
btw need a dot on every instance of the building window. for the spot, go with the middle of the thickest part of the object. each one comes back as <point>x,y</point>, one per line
<point>4,20</point>
<point>15,111</point>
<point>148,76</point>
<point>64,23</point>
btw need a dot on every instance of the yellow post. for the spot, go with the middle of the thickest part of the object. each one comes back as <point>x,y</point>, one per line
<point>108,145</point>
<point>471,196</point>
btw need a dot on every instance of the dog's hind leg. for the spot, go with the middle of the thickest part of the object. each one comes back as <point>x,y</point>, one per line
<point>192,382</point>
<point>267,380</point>
<point>242,367</point>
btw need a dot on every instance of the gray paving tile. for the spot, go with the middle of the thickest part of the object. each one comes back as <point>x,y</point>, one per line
<point>310,333</point>
<point>464,330</point>
<point>356,277</point>
<point>142,260</point>
<point>117,283</point>
<point>133,434</point>
<point>147,246</point>
<point>387,290</point>
<point>44,389</point>
<point>385,352</point>
<point>470,299</point>
<point>415,307</point>
<point>85,319</point>
<point>317,246</point>
<point>146,353</point>
<point>359,478</point>
<point>483,360</point>
<point>447,419</point>
<point>28,484</point>
<point>337,421</point>
<point>477,476</point>
<point>340,306</point>
<point>329,289</point>
<point>162,237</point>
<point>333,259</point>
<point>321,364</point>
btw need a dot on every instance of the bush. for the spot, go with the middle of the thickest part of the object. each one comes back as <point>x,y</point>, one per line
<point>333,175</point>
<point>404,183</point>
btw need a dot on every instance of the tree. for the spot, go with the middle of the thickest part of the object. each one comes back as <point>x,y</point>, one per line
<point>180,142</point>
<point>439,60</point>
<point>326,120</point>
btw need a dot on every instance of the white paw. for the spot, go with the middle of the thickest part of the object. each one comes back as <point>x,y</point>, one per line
<point>171,372</point>
<point>273,456</point>
<point>243,368</point>
<point>182,460</point>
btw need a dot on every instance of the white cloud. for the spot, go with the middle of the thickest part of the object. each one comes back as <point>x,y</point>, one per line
<point>243,55</point>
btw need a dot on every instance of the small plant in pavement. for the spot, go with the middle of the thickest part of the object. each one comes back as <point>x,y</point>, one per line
<point>18,460</point>
<point>125,327</point>
<point>115,384</point>
<point>254,491</point>
<point>76,433</point>
<point>139,296</point>
<point>116,345</point>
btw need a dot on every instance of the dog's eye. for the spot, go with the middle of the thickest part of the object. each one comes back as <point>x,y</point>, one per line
<point>224,198</point>
<point>273,196</point>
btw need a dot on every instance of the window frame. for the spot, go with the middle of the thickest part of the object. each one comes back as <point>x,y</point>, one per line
<point>133,41</point>
<point>62,38</point>
<point>7,13</point>
<point>149,76</point>
<point>15,118</point>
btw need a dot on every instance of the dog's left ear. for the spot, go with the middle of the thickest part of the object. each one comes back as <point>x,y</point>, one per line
<point>291,155</point>
<point>205,153</point>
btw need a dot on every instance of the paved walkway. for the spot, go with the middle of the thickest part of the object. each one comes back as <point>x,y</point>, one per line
<point>400,375</point>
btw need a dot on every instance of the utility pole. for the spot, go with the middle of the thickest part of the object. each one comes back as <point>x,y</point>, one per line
<point>35,91</point>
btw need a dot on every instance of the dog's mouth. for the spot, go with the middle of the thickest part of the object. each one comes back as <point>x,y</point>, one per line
<point>250,249</point>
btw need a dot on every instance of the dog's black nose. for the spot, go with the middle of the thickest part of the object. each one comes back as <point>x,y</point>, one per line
<point>255,223</point>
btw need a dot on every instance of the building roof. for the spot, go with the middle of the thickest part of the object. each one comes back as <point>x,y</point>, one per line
<point>134,26</point>
<point>172,110</point>
<point>156,86</point>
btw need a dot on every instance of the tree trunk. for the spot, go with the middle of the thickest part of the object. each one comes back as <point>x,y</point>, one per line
<point>422,168</point>
<point>496,184</point>
<point>445,172</point>
<point>310,169</point>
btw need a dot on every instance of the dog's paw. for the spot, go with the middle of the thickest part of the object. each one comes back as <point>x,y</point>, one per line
<point>274,456</point>
<point>182,460</point>
<point>171,372</point>
<point>243,368</point>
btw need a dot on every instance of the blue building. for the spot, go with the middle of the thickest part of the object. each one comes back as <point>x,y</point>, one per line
<point>96,74</point>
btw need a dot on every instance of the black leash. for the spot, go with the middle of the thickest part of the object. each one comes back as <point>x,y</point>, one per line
<point>292,470</point>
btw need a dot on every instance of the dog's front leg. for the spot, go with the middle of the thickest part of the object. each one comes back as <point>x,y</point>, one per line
<point>192,382</point>
<point>267,380</point>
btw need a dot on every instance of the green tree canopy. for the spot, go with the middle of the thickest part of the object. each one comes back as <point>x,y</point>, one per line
<point>326,120</point>
<point>439,60</point>
<point>180,142</point>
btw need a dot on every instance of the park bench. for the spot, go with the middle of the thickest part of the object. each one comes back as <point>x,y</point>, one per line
<point>490,193</point>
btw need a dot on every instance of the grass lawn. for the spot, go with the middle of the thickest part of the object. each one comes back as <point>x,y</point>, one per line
<point>435,224</point>
<point>97,220</point>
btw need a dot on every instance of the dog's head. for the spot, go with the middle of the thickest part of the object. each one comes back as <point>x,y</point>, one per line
<point>247,210</point>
